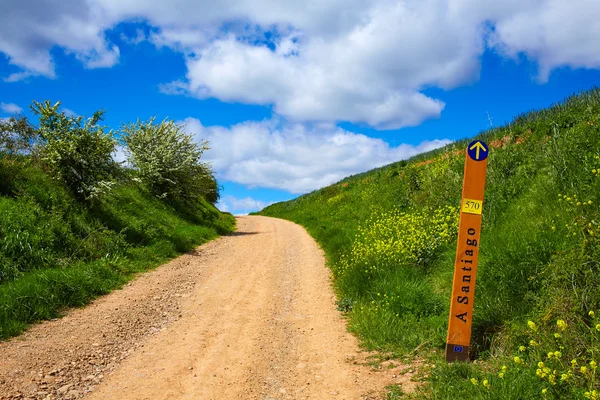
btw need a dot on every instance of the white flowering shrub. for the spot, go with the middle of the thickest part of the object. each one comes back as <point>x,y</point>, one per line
<point>76,150</point>
<point>168,160</point>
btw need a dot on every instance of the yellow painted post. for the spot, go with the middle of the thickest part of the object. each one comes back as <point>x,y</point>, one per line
<point>467,252</point>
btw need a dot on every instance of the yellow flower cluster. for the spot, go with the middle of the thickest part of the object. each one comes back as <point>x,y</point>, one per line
<point>596,171</point>
<point>383,301</point>
<point>551,367</point>
<point>390,238</point>
<point>502,372</point>
<point>574,201</point>
<point>562,325</point>
<point>532,326</point>
<point>592,395</point>
<point>583,217</point>
<point>547,373</point>
<point>337,198</point>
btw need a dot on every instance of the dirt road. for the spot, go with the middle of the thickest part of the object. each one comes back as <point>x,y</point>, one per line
<point>248,316</point>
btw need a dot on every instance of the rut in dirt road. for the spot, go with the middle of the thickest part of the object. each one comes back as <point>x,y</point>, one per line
<point>248,316</point>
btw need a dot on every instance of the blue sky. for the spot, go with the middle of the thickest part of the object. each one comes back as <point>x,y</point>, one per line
<point>294,96</point>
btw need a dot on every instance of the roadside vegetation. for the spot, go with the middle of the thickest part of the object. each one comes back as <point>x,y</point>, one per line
<point>390,238</point>
<point>75,224</point>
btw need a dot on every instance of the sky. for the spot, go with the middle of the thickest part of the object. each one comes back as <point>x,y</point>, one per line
<point>296,95</point>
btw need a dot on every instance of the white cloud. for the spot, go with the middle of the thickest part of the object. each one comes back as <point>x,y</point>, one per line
<point>70,113</point>
<point>19,76</point>
<point>120,155</point>
<point>10,108</point>
<point>30,29</point>
<point>241,206</point>
<point>334,60</point>
<point>557,34</point>
<point>294,157</point>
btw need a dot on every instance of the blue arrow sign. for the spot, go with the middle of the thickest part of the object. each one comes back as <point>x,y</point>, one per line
<point>478,150</point>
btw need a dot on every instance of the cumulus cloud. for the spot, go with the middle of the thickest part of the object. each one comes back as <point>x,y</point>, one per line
<point>241,206</point>
<point>335,60</point>
<point>554,35</point>
<point>295,157</point>
<point>10,108</point>
<point>29,29</point>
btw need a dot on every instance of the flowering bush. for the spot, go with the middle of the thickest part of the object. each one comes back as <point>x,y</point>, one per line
<point>168,160</point>
<point>392,238</point>
<point>76,150</point>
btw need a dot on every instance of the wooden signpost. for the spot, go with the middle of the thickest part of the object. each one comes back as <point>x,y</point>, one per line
<point>467,252</point>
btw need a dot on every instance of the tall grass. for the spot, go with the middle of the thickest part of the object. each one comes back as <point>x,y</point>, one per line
<point>539,257</point>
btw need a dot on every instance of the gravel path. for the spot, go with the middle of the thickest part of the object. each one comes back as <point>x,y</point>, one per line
<point>247,316</point>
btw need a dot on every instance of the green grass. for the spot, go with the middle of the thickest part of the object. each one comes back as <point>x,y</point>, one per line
<point>56,252</point>
<point>539,256</point>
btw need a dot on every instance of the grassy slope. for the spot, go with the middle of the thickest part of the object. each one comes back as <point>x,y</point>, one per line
<point>56,253</point>
<point>539,258</point>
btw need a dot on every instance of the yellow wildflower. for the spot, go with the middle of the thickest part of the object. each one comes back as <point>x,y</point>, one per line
<point>501,375</point>
<point>591,313</point>
<point>486,383</point>
<point>593,395</point>
<point>562,325</point>
<point>517,359</point>
<point>583,369</point>
<point>521,348</point>
<point>544,391</point>
<point>532,326</point>
<point>593,365</point>
<point>474,381</point>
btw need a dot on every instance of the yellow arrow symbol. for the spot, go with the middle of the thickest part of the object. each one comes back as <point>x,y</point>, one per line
<point>477,146</point>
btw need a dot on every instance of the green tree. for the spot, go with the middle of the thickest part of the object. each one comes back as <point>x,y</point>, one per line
<point>168,160</point>
<point>76,150</point>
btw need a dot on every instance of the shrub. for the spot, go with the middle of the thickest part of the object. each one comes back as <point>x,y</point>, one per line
<point>168,160</point>
<point>78,152</point>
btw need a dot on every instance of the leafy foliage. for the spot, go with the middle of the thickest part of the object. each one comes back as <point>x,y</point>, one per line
<point>168,160</point>
<point>77,151</point>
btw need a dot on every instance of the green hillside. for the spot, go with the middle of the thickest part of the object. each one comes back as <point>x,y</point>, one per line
<point>390,237</point>
<point>75,224</point>
<point>56,252</point>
